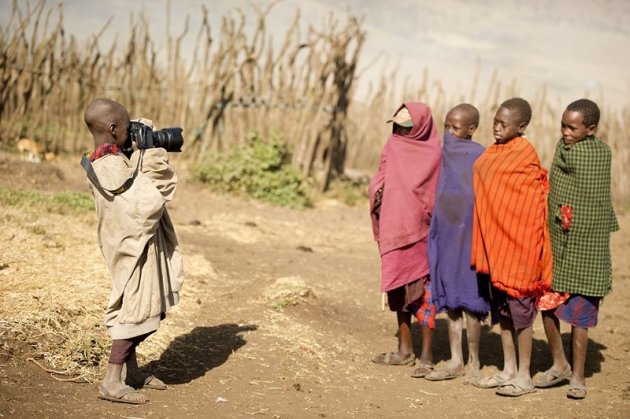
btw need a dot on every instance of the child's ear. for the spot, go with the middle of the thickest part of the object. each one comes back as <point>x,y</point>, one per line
<point>471,129</point>
<point>591,130</point>
<point>522,126</point>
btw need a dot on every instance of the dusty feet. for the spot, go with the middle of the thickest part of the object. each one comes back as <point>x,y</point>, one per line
<point>471,373</point>
<point>120,393</point>
<point>516,387</point>
<point>143,380</point>
<point>446,372</point>
<point>492,381</point>
<point>393,358</point>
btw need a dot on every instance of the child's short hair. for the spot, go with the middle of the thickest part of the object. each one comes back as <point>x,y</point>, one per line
<point>588,109</point>
<point>472,111</point>
<point>521,106</point>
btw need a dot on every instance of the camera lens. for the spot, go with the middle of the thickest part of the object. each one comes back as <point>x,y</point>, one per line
<point>170,139</point>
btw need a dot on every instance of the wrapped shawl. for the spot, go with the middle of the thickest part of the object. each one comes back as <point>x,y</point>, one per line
<point>454,283</point>
<point>408,170</point>
<point>510,234</point>
<point>580,179</point>
<point>138,241</point>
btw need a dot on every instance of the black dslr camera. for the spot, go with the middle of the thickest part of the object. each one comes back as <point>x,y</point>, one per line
<point>170,139</point>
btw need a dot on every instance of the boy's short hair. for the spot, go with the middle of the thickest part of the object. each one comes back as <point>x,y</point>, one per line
<point>471,110</point>
<point>521,106</point>
<point>588,109</point>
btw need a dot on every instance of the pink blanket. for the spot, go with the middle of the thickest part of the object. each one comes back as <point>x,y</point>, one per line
<point>408,172</point>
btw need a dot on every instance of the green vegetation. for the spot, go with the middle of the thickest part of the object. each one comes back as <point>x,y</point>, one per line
<point>261,169</point>
<point>349,191</point>
<point>59,203</point>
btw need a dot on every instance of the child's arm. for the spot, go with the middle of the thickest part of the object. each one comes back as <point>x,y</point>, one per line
<point>154,164</point>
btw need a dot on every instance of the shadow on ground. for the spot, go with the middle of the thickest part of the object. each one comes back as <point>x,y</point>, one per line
<point>191,355</point>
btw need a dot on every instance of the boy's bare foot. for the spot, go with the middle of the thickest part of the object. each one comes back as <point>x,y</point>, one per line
<point>393,358</point>
<point>516,387</point>
<point>423,370</point>
<point>492,381</point>
<point>121,394</point>
<point>576,391</point>
<point>551,377</point>
<point>471,373</point>
<point>446,372</point>
<point>144,380</point>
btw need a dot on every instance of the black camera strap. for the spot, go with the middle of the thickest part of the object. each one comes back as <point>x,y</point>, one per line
<point>85,163</point>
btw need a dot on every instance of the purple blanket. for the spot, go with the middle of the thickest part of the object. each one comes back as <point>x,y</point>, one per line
<point>453,283</point>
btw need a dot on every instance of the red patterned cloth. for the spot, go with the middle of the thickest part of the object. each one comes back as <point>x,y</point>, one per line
<point>566,213</point>
<point>551,300</point>
<point>425,310</point>
<point>103,150</point>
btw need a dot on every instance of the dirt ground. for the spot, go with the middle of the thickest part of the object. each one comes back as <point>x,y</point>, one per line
<point>279,318</point>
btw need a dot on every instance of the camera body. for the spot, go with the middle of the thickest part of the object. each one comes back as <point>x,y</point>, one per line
<point>144,137</point>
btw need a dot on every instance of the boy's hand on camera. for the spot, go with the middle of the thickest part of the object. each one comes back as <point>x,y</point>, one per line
<point>144,121</point>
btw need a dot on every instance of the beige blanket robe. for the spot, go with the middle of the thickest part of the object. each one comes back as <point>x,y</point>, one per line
<point>138,241</point>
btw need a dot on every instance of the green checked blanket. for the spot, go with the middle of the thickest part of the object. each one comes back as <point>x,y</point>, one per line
<point>580,178</point>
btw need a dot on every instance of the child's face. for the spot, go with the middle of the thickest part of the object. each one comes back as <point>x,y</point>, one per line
<point>507,125</point>
<point>458,124</point>
<point>573,128</point>
<point>120,130</point>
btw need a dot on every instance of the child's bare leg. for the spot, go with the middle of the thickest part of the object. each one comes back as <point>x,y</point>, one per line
<point>427,346</point>
<point>554,338</point>
<point>455,327</point>
<point>113,384</point>
<point>509,351</point>
<point>525,337</point>
<point>405,342</point>
<point>112,380</point>
<point>579,343</point>
<point>473,334</point>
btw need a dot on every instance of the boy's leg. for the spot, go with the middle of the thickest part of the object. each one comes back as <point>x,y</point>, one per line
<point>525,338</point>
<point>112,383</point>
<point>455,328</point>
<point>561,368</point>
<point>509,357</point>
<point>426,358</point>
<point>405,341</point>
<point>455,366</point>
<point>552,331</point>
<point>473,334</point>
<point>135,377</point>
<point>579,343</point>
<point>509,350</point>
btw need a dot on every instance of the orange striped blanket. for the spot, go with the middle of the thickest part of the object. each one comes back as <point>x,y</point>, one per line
<point>510,235</point>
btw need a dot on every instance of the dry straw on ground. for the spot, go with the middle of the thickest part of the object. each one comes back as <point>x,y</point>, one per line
<point>54,286</point>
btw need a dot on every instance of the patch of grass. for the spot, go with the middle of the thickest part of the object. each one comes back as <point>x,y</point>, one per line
<point>349,191</point>
<point>39,230</point>
<point>60,203</point>
<point>261,170</point>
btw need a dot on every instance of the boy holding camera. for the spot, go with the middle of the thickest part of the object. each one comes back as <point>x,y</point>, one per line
<point>138,242</point>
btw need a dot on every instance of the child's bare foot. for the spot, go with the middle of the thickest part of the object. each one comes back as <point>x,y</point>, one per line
<point>493,381</point>
<point>394,358</point>
<point>144,380</point>
<point>472,373</point>
<point>120,393</point>
<point>423,370</point>
<point>446,372</point>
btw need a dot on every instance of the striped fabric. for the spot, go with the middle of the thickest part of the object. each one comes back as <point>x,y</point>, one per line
<point>580,178</point>
<point>510,236</point>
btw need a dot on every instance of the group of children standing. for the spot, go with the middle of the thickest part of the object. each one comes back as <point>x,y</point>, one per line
<point>484,232</point>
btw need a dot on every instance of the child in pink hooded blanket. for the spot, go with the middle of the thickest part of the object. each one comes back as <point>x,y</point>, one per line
<point>402,193</point>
